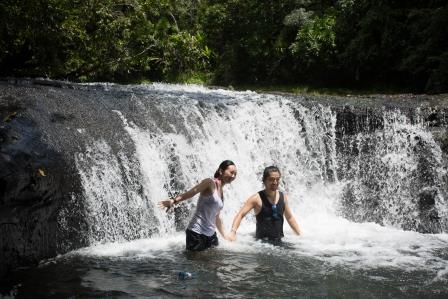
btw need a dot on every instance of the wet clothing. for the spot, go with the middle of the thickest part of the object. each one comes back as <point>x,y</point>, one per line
<point>199,242</point>
<point>269,222</point>
<point>203,221</point>
<point>201,231</point>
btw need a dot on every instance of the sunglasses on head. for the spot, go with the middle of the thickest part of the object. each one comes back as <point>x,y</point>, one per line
<point>275,212</point>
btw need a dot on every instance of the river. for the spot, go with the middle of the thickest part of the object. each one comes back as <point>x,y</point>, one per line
<point>358,207</point>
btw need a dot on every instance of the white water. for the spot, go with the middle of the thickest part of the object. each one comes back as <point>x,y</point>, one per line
<point>254,131</point>
<point>402,161</point>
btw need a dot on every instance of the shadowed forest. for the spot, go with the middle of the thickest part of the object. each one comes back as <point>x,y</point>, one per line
<point>347,43</point>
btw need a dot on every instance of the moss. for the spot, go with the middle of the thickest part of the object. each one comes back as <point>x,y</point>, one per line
<point>193,78</point>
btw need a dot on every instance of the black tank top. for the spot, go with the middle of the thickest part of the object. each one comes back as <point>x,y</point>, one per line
<point>267,226</point>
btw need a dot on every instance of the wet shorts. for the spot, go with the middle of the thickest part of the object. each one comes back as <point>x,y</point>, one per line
<point>199,242</point>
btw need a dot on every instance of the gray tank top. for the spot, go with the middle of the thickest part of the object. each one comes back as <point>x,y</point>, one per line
<point>203,221</point>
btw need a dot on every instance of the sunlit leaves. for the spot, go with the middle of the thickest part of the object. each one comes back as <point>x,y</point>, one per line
<point>315,37</point>
<point>298,18</point>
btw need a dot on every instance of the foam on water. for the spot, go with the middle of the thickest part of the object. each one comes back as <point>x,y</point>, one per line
<point>336,242</point>
<point>202,127</point>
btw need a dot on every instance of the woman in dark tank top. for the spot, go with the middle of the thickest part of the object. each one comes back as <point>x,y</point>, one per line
<point>269,219</point>
<point>271,208</point>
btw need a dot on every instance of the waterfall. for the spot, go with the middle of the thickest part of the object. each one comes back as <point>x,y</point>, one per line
<point>395,176</point>
<point>172,136</point>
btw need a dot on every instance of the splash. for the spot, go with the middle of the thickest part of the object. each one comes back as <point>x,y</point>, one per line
<point>176,135</point>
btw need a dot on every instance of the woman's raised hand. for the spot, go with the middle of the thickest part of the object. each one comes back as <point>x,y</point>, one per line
<point>166,204</point>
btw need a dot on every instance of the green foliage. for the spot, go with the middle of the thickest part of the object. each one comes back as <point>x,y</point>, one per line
<point>297,18</point>
<point>97,40</point>
<point>425,55</point>
<point>182,52</point>
<point>246,36</point>
<point>344,43</point>
<point>315,39</point>
<point>105,40</point>
<point>394,43</point>
<point>194,78</point>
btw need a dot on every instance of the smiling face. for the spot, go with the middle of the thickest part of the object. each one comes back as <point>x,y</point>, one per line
<point>272,181</point>
<point>229,174</point>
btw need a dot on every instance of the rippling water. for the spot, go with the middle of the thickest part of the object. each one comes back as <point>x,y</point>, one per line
<point>334,259</point>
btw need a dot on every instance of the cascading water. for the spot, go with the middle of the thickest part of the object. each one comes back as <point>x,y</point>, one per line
<point>361,194</point>
<point>395,176</point>
<point>185,132</point>
<point>185,137</point>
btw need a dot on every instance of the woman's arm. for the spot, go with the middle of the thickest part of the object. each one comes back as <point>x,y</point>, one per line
<point>248,205</point>
<point>290,218</point>
<point>202,186</point>
<point>220,227</point>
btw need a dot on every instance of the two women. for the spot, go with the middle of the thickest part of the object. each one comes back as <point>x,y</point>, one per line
<point>270,206</point>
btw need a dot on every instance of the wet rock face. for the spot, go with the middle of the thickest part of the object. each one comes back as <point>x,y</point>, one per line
<point>429,218</point>
<point>34,190</point>
<point>351,121</point>
<point>395,172</point>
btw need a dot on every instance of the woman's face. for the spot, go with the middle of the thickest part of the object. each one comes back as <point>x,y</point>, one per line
<point>272,181</point>
<point>229,174</point>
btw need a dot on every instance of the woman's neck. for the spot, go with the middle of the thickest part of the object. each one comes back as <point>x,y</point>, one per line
<point>219,185</point>
<point>219,182</point>
<point>271,194</point>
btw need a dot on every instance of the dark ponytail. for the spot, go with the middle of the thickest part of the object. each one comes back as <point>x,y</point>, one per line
<point>223,166</point>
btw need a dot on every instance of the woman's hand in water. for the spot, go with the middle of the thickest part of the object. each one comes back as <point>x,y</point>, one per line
<point>227,237</point>
<point>166,204</point>
<point>232,236</point>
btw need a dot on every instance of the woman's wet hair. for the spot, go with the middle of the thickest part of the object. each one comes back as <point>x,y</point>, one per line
<point>223,166</point>
<point>268,170</point>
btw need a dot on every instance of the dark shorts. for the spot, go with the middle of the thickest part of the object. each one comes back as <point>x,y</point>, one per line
<point>199,242</point>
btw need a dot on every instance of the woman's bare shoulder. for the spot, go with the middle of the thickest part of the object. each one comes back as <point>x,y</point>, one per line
<point>254,198</point>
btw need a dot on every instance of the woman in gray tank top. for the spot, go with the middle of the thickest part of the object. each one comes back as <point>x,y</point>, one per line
<point>201,231</point>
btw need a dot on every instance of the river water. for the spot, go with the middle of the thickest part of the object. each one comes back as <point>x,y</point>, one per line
<point>334,259</point>
<point>178,135</point>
